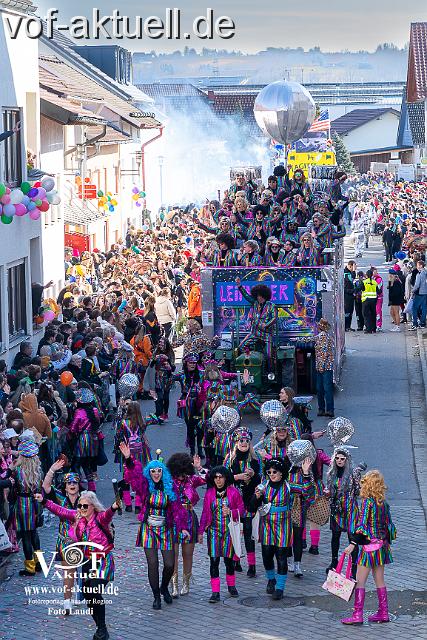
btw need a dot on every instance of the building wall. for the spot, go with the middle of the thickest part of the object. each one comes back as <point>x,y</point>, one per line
<point>21,241</point>
<point>52,161</point>
<point>376,134</point>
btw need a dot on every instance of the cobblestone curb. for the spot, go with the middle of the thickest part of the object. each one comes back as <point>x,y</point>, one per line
<point>419,434</point>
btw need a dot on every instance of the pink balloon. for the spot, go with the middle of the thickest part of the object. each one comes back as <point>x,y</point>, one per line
<point>48,315</point>
<point>5,199</point>
<point>35,214</point>
<point>8,190</point>
<point>42,193</point>
<point>20,209</point>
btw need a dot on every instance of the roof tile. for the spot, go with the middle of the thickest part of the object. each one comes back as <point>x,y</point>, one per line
<point>417,63</point>
<point>356,118</point>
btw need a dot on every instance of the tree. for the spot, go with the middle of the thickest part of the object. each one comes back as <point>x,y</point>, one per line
<point>344,160</point>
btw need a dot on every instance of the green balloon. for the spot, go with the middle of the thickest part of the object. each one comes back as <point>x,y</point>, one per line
<point>25,187</point>
<point>162,216</point>
<point>6,219</point>
<point>100,194</point>
<point>38,202</point>
<point>2,189</point>
<point>142,194</point>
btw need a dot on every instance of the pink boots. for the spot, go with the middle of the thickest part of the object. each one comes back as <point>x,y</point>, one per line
<point>382,614</point>
<point>359,601</point>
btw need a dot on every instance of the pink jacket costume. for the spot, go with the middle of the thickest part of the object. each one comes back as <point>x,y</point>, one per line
<point>189,488</point>
<point>175,512</point>
<point>235,501</point>
<point>93,530</point>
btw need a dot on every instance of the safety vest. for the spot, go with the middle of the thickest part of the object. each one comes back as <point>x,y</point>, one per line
<point>370,290</point>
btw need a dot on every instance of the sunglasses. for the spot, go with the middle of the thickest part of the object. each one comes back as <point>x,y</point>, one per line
<point>218,477</point>
<point>273,472</point>
<point>340,458</point>
<point>156,470</point>
<point>244,440</point>
<point>83,506</point>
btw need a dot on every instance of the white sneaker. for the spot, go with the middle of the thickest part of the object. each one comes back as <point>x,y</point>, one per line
<point>67,606</point>
<point>394,329</point>
<point>412,328</point>
<point>290,565</point>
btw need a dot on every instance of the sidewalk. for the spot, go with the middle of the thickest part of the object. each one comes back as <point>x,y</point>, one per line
<point>382,393</point>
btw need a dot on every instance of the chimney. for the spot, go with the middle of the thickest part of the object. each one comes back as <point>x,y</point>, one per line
<point>211,95</point>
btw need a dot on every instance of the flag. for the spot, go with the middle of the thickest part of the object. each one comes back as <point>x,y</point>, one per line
<point>322,123</point>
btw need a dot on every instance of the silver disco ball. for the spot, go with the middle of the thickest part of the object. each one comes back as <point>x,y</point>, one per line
<point>273,413</point>
<point>340,430</point>
<point>284,111</point>
<point>128,385</point>
<point>299,450</point>
<point>225,419</point>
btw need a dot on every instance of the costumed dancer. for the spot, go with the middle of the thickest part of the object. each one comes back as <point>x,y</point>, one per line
<point>67,498</point>
<point>222,501</point>
<point>185,484</point>
<point>263,318</point>
<point>244,464</point>
<point>27,475</point>
<point>342,488</point>
<point>275,527</point>
<point>322,459</point>
<point>91,523</point>
<point>188,407</point>
<point>374,532</point>
<point>131,430</point>
<point>161,514</point>
<point>84,432</point>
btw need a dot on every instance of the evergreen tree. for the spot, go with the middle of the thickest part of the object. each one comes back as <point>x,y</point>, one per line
<point>344,160</point>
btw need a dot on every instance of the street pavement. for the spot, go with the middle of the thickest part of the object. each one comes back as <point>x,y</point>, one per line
<point>381,390</point>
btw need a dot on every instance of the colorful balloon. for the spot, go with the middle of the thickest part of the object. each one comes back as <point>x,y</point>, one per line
<point>44,206</point>
<point>16,196</point>
<point>66,378</point>
<point>5,199</point>
<point>9,210</point>
<point>135,190</point>
<point>35,214</point>
<point>48,184</point>
<point>20,209</point>
<point>25,187</point>
<point>100,194</point>
<point>31,206</point>
<point>2,189</point>
<point>32,192</point>
<point>42,193</point>
<point>6,219</point>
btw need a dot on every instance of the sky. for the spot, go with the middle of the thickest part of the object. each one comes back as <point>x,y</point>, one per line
<point>332,24</point>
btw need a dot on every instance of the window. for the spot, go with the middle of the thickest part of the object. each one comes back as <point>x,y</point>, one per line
<point>12,148</point>
<point>17,300</point>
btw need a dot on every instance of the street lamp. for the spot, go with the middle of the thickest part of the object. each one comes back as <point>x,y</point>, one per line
<point>161,160</point>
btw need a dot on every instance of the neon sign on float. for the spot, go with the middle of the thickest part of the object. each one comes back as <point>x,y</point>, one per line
<point>227,293</point>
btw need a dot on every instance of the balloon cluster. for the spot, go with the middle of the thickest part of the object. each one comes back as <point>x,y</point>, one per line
<point>138,196</point>
<point>48,312</point>
<point>33,200</point>
<point>106,201</point>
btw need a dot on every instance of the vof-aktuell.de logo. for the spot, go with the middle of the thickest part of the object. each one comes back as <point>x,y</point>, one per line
<point>82,563</point>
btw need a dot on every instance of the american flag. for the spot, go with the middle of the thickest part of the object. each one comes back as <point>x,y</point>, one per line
<point>322,123</point>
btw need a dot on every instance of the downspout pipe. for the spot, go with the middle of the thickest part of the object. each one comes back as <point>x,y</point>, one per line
<point>143,145</point>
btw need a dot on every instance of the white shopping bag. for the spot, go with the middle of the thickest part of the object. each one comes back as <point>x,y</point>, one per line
<point>234,529</point>
<point>4,538</point>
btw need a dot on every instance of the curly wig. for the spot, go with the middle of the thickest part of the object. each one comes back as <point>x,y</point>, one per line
<point>180,464</point>
<point>224,471</point>
<point>280,464</point>
<point>261,290</point>
<point>227,239</point>
<point>372,485</point>
<point>167,481</point>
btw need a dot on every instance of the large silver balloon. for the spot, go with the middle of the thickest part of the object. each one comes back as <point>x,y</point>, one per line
<point>128,385</point>
<point>225,419</point>
<point>299,450</point>
<point>340,430</point>
<point>273,413</point>
<point>284,111</point>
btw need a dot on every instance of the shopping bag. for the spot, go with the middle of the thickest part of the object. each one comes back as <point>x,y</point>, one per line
<point>5,543</point>
<point>255,526</point>
<point>338,584</point>
<point>409,306</point>
<point>112,394</point>
<point>234,529</point>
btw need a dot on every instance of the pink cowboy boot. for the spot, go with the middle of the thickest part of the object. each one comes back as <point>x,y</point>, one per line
<point>382,614</point>
<point>359,601</point>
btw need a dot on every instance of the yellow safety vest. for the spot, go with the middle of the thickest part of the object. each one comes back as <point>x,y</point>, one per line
<point>370,290</point>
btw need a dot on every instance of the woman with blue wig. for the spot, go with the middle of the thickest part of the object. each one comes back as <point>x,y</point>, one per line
<point>160,511</point>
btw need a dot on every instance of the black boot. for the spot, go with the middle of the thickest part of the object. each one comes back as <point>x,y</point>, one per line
<point>333,564</point>
<point>166,595</point>
<point>237,566</point>
<point>157,604</point>
<point>271,586</point>
<point>233,592</point>
<point>278,594</point>
<point>314,550</point>
<point>128,508</point>
<point>101,633</point>
<point>215,597</point>
<point>251,573</point>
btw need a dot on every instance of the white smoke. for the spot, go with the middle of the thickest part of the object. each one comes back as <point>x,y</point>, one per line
<point>198,149</point>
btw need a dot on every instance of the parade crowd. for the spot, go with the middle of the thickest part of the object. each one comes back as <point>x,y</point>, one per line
<point>124,313</point>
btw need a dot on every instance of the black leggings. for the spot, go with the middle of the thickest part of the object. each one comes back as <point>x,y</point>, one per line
<point>194,433</point>
<point>335,547</point>
<point>152,556</point>
<point>247,534</point>
<point>214,567</point>
<point>297,543</point>
<point>30,543</point>
<point>162,402</point>
<point>269,552</point>
<point>92,590</point>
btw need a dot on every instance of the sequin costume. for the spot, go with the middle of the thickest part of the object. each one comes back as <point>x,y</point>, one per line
<point>65,529</point>
<point>374,523</point>
<point>215,523</point>
<point>186,491</point>
<point>344,508</point>
<point>263,318</point>
<point>137,442</point>
<point>275,528</point>
<point>26,508</point>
